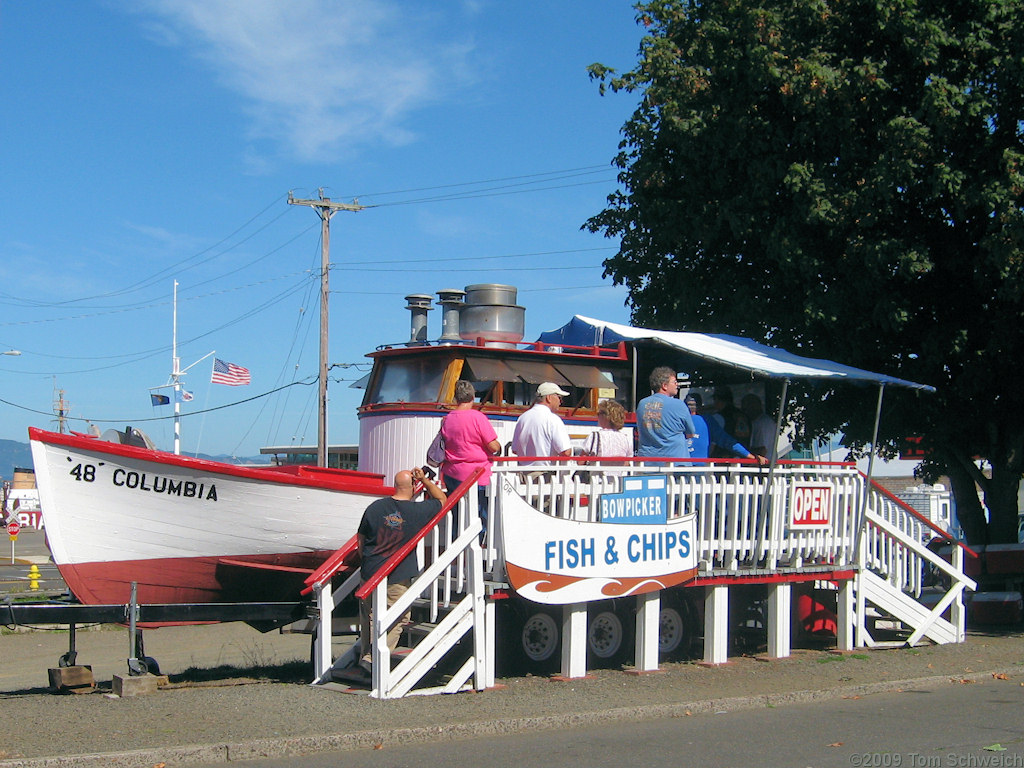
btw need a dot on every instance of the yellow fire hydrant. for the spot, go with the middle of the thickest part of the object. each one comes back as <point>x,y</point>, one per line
<point>33,576</point>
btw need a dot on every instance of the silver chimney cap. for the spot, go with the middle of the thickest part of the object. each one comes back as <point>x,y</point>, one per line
<point>419,305</point>
<point>451,301</point>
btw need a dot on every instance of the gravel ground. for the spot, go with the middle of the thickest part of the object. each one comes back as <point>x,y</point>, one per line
<point>228,717</point>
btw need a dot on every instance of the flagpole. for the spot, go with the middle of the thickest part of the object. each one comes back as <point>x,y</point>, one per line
<point>175,373</point>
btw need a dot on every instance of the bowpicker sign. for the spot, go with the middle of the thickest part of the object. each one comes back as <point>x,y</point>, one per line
<point>556,561</point>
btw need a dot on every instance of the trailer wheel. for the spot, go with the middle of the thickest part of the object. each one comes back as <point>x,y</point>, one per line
<point>609,639</point>
<point>675,628</point>
<point>540,637</point>
<point>529,640</point>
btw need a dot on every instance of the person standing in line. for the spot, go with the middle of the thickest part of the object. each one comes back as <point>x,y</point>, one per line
<point>663,421</point>
<point>386,526</point>
<point>709,433</point>
<point>469,443</point>
<point>540,431</point>
<point>609,440</point>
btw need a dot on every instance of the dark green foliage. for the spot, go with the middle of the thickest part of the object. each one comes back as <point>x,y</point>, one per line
<point>843,179</point>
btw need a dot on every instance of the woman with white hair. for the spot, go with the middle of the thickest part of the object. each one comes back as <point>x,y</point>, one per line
<point>609,440</point>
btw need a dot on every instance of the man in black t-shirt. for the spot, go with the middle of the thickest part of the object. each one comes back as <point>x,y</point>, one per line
<point>386,526</point>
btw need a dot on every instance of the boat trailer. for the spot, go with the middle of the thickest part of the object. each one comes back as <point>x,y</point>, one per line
<point>261,616</point>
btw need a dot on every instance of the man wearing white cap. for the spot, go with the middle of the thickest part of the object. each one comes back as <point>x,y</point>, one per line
<point>539,431</point>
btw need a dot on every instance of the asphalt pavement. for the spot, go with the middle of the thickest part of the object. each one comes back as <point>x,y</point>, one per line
<point>236,694</point>
<point>918,727</point>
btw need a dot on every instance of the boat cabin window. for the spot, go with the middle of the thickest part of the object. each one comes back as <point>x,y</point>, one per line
<point>513,382</point>
<point>502,382</point>
<point>412,380</point>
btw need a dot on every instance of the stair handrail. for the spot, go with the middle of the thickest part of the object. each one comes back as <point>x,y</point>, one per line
<point>941,534</point>
<point>367,587</point>
<point>329,567</point>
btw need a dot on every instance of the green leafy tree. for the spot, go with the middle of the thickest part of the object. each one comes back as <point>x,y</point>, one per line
<point>845,179</point>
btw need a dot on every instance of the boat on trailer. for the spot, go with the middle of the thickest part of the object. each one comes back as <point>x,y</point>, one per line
<point>189,530</point>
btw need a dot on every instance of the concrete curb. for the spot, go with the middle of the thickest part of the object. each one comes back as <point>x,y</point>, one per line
<point>259,749</point>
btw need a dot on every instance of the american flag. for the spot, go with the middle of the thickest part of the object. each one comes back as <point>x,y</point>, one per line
<point>229,373</point>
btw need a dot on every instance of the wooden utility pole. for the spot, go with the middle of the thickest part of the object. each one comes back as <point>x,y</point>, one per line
<point>325,209</point>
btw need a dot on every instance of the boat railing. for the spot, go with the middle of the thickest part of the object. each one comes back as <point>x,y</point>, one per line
<point>743,511</point>
<point>823,520</point>
<point>617,351</point>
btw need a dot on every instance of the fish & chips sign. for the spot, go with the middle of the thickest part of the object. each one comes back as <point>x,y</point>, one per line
<point>633,550</point>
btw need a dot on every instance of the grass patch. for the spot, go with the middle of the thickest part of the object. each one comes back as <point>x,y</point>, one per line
<point>287,672</point>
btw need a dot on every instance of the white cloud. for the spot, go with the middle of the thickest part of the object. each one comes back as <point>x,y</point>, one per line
<point>318,76</point>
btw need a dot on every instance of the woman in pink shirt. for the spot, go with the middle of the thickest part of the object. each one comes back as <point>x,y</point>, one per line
<point>469,442</point>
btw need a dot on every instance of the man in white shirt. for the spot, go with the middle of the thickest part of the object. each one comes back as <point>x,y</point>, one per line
<point>539,431</point>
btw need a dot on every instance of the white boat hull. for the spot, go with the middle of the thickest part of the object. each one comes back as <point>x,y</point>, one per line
<point>188,530</point>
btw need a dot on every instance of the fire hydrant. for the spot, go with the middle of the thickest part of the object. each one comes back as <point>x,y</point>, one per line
<point>33,576</point>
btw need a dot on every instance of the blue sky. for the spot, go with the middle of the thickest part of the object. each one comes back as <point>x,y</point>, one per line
<point>152,141</point>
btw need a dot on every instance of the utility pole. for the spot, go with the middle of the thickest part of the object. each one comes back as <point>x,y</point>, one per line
<point>325,209</point>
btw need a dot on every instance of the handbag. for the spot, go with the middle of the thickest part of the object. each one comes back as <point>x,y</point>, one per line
<point>595,443</point>
<point>435,453</point>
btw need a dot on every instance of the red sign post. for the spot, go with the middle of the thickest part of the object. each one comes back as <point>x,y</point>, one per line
<point>13,528</point>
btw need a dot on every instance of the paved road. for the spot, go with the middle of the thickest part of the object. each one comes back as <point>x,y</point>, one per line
<point>921,727</point>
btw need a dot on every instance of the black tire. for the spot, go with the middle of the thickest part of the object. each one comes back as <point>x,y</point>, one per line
<point>529,639</point>
<point>677,627</point>
<point>748,620</point>
<point>610,635</point>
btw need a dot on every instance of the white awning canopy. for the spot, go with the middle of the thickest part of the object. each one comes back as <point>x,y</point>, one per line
<point>707,350</point>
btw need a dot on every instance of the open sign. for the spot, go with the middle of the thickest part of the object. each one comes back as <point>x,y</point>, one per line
<point>810,505</point>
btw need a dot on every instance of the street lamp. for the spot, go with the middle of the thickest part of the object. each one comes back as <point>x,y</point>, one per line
<point>12,352</point>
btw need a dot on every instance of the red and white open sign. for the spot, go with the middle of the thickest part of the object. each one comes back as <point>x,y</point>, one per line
<point>810,505</point>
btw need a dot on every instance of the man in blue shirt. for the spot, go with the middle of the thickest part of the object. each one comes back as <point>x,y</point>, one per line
<point>662,419</point>
<point>709,433</point>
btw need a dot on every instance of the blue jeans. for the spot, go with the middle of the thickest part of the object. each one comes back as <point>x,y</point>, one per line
<point>450,484</point>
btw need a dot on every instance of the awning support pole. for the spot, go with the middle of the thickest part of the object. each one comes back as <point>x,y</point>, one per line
<point>874,433</point>
<point>860,628</point>
<point>766,497</point>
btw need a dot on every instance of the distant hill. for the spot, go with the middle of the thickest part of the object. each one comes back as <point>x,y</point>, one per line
<point>14,454</point>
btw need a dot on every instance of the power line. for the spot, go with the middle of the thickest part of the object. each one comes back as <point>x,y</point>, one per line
<point>487,181</point>
<point>123,420</point>
<point>483,193</point>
